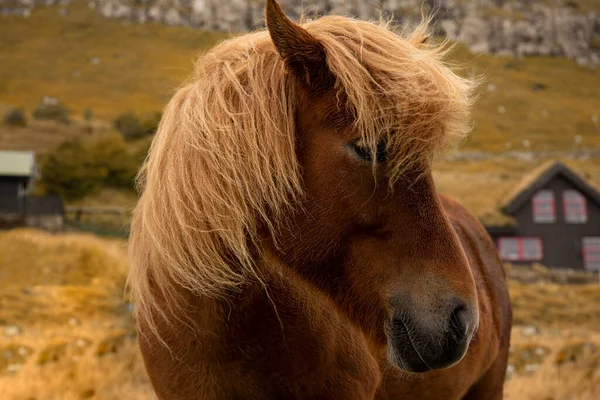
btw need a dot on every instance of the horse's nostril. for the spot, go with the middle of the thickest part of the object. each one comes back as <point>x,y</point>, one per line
<point>458,324</point>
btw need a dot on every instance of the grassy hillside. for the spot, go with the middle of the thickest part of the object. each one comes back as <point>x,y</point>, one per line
<point>542,100</point>
<point>138,66</point>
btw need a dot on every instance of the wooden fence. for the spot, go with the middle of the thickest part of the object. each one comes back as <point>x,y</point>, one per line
<point>104,221</point>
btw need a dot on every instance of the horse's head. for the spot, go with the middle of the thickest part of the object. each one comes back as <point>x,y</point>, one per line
<point>371,108</point>
<point>313,142</point>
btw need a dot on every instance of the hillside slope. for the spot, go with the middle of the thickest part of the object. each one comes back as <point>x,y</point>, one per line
<point>529,109</point>
<point>87,61</point>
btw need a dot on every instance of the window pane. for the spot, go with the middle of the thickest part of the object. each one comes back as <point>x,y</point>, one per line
<point>543,207</point>
<point>509,248</point>
<point>531,249</point>
<point>575,207</point>
<point>591,253</point>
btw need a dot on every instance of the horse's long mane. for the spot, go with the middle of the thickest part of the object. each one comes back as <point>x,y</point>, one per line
<point>223,160</point>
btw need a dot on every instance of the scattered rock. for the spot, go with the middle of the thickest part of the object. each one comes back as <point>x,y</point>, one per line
<point>510,371</point>
<point>49,101</point>
<point>531,368</point>
<point>530,330</point>
<point>12,330</point>
<point>12,368</point>
<point>12,357</point>
<point>527,358</point>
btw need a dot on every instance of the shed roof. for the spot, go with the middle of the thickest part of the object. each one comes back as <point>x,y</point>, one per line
<point>539,177</point>
<point>17,163</point>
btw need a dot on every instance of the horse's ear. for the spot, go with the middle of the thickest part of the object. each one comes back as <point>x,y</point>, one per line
<point>304,56</point>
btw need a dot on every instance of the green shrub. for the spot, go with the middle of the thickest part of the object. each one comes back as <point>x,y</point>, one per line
<point>132,127</point>
<point>129,125</point>
<point>150,124</point>
<point>70,172</point>
<point>110,153</point>
<point>75,170</point>
<point>88,114</point>
<point>51,110</point>
<point>15,117</point>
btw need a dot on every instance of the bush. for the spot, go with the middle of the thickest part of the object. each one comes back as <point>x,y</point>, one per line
<point>150,124</point>
<point>75,170</point>
<point>15,117</point>
<point>51,110</point>
<point>88,114</point>
<point>129,125</point>
<point>110,154</point>
<point>70,173</point>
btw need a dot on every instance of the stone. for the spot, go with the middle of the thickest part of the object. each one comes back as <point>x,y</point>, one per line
<point>530,330</point>
<point>12,330</point>
<point>172,18</point>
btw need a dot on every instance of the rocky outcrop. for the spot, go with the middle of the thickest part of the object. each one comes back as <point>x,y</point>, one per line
<point>511,28</point>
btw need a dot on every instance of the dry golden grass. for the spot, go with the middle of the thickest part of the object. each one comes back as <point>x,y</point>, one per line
<point>76,335</point>
<point>66,330</point>
<point>115,376</point>
<point>575,380</point>
<point>138,65</point>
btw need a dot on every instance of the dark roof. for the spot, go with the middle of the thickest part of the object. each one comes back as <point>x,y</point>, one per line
<point>539,177</point>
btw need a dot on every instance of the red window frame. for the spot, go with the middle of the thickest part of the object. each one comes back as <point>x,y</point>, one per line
<point>536,201</point>
<point>580,200</point>
<point>520,254</point>
<point>590,248</point>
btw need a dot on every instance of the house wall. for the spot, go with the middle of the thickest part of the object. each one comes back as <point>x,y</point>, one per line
<point>561,241</point>
<point>9,194</point>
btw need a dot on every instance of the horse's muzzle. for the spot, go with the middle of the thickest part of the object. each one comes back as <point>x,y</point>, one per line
<point>416,347</point>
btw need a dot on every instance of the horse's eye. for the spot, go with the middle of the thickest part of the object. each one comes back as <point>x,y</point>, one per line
<point>365,153</point>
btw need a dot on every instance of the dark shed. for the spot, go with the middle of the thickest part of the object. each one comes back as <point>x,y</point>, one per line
<point>17,169</point>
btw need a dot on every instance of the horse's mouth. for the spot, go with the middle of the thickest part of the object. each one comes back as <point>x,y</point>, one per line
<point>411,353</point>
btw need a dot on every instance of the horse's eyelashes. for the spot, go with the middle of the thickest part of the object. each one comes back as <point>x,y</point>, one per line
<point>365,153</point>
<point>382,153</point>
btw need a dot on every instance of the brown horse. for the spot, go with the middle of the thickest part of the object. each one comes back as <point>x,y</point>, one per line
<point>289,242</point>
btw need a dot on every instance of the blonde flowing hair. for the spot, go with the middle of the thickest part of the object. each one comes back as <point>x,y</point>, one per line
<point>223,159</point>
